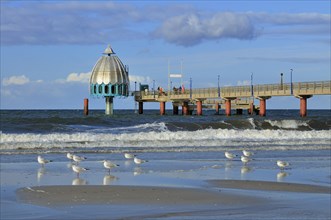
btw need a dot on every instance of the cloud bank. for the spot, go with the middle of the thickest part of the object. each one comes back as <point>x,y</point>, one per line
<point>100,22</point>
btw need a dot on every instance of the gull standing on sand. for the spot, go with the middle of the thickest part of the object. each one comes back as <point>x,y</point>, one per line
<point>109,165</point>
<point>247,153</point>
<point>78,159</point>
<point>229,155</point>
<point>245,159</point>
<point>43,161</point>
<point>78,169</point>
<point>282,164</point>
<point>139,161</point>
<point>70,156</point>
<point>129,156</point>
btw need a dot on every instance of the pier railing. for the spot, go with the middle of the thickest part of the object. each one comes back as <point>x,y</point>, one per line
<point>233,92</point>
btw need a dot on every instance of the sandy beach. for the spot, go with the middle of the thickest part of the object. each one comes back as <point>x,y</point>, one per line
<point>200,188</point>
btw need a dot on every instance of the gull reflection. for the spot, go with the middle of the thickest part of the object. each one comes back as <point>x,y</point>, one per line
<point>107,179</point>
<point>69,165</point>
<point>128,163</point>
<point>79,181</point>
<point>137,171</point>
<point>244,170</point>
<point>40,173</point>
<point>281,175</point>
<point>228,166</point>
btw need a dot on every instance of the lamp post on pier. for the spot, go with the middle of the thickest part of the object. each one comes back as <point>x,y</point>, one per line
<point>252,92</point>
<point>218,86</point>
<point>154,88</point>
<point>190,88</point>
<point>135,103</point>
<point>291,82</point>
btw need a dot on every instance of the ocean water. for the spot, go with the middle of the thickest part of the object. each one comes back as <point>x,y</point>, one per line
<point>183,151</point>
<point>58,131</point>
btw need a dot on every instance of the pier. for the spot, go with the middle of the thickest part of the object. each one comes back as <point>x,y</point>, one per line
<point>232,97</point>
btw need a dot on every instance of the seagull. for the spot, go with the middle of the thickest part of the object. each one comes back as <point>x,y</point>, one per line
<point>109,165</point>
<point>247,153</point>
<point>282,164</point>
<point>78,159</point>
<point>43,161</point>
<point>229,155</point>
<point>70,156</point>
<point>78,169</point>
<point>245,159</point>
<point>139,161</point>
<point>129,156</point>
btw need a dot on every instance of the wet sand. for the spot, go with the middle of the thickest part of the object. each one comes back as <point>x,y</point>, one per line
<point>75,195</point>
<point>270,186</point>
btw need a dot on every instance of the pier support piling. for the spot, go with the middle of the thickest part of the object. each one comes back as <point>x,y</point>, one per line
<point>185,110</point>
<point>162,108</point>
<point>228,107</point>
<point>303,107</point>
<point>303,104</point>
<point>85,106</point>
<point>175,109</point>
<point>217,108</point>
<point>109,105</point>
<point>199,107</point>
<point>239,111</point>
<point>262,107</point>
<point>141,108</point>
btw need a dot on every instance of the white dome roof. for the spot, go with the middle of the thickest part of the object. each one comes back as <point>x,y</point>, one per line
<point>109,69</point>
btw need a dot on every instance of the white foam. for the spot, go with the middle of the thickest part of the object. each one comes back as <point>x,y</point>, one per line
<point>287,124</point>
<point>200,138</point>
<point>251,121</point>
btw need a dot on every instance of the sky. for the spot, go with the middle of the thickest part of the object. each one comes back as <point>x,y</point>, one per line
<point>49,48</point>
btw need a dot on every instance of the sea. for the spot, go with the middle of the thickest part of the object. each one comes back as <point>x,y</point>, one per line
<point>60,131</point>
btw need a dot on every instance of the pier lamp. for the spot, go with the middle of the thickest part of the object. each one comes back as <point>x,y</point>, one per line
<point>135,103</point>
<point>154,88</point>
<point>190,88</point>
<point>291,82</point>
<point>252,84</point>
<point>218,86</point>
<point>281,81</point>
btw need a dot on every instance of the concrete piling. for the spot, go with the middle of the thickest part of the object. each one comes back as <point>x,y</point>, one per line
<point>199,107</point>
<point>85,106</point>
<point>162,108</point>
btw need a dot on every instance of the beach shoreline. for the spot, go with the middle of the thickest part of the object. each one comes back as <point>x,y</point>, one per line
<point>190,186</point>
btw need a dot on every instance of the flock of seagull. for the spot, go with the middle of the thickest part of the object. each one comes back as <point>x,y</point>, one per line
<point>77,159</point>
<point>247,157</point>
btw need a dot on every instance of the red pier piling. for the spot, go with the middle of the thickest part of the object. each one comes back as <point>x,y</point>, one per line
<point>228,107</point>
<point>85,106</point>
<point>162,108</point>
<point>199,107</point>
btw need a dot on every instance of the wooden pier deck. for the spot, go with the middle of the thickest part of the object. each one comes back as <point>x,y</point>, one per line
<point>242,97</point>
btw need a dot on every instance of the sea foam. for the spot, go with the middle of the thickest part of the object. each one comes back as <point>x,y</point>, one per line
<point>163,139</point>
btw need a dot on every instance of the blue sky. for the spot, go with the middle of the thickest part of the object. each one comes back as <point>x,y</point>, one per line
<point>49,48</point>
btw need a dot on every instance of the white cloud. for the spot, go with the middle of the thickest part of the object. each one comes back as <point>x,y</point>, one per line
<point>79,77</point>
<point>243,83</point>
<point>191,29</point>
<point>139,79</point>
<point>16,80</point>
<point>100,22</point>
